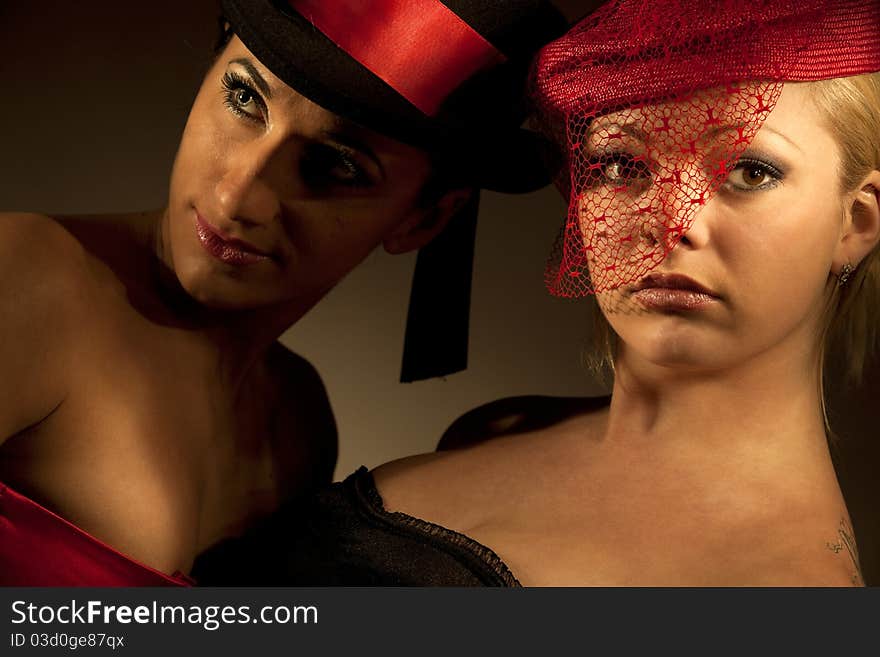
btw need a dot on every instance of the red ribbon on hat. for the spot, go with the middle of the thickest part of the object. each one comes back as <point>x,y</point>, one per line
<point>420,48</point>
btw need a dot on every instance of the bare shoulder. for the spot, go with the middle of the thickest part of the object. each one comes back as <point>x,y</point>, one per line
<point>43,272</point>
<point>304,411</point>
<point>433,486</point>
<point>37,242</point>
<point>801,547</point>
<point>829,558</point>
<point>511,447</point>
<point>42,260</point>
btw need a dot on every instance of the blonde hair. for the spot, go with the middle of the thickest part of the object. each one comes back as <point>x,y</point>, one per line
<point>851,107</point>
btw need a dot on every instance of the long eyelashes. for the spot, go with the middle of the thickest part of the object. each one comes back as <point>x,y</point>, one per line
<point>753,175</point>
<point>238,95</point>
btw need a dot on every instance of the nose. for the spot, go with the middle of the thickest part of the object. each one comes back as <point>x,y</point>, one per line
<point>685,204</point>
<point>696,235</point>
<point>662,215</point>
<point>251,188</point>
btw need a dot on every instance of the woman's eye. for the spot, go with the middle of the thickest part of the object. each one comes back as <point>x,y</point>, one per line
<point>749,176</point>
<point>616,172</point>
<point>617,169</point>
<point>241,98</point>
<point>327,164</point>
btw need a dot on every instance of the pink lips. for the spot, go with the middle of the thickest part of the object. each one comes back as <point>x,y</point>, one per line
<point>672,292</point>
<point>226,249</point>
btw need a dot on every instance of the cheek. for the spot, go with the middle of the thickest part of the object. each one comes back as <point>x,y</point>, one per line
<point>351,222</point>
<point>772,265</point>
<point>198,154</point>
<point>778,266</point>
<point>330,237</point>
<point>792,243</point>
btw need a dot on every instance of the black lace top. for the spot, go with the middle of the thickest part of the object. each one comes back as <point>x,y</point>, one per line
<point>344,536</point>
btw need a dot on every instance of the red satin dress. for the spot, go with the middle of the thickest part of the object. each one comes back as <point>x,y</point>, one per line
<point>40,548</point>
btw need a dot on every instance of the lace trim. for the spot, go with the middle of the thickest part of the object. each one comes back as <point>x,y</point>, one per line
<point>454,543</point>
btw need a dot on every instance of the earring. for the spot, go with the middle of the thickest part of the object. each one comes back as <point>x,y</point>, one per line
<point>844,275</point>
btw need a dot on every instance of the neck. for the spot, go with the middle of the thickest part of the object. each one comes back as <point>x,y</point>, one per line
<point>235,340</point>
<point>765,411</point>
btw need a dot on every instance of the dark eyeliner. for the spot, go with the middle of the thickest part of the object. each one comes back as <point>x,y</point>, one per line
<point>233,83</point>
<point>770,167</point>
<point>752,161</point>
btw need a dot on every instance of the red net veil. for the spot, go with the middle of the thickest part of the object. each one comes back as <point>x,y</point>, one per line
<point>653,103</point>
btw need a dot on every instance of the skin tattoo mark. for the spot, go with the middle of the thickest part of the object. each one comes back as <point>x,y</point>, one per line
<point>846,540</point>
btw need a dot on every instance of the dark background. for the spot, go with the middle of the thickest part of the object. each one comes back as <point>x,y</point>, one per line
<point>94,98</point>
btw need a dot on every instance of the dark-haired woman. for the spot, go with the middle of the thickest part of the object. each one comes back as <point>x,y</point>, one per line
<point>146,408</point>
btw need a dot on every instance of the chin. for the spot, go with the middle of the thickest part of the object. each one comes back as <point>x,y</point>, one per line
<point>676,348</point>
<point>215,291</point>
<point>213,300</point>
<point>230,297</point>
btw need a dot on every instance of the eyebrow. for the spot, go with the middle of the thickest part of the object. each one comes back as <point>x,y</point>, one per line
<point>626,128</point>
<point>724,128</point>
<point>255,75</point>
<point>340,133</point>
<point>776,132</point>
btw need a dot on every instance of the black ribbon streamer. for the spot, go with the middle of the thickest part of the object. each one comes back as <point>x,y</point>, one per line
<point>436,339</point>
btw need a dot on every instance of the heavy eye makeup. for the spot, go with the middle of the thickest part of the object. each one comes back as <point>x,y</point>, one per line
<point>755,172</point>
<point>324,163</point>
<point>241,98</point>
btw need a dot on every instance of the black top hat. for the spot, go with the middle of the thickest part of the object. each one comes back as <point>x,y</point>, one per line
<point>444,75</point>
<point>448,76</point>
